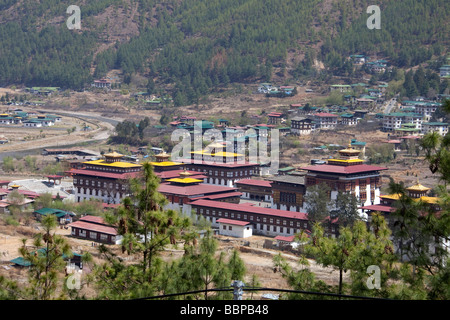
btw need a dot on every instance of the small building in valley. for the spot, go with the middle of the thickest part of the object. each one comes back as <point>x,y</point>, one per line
<point>94,228</point>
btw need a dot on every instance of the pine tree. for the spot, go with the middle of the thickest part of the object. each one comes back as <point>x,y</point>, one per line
<point>346,208</point>
<point>146,229</point>
<point>317,203</point>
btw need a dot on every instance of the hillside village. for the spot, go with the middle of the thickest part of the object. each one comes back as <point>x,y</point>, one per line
<point>350,138</point>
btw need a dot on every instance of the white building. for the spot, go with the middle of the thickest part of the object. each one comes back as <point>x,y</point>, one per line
<point>341,88</point>
<point>301,126</point>
<point>439,127</point>
<point>444,71</point>
<point>324,120</point>
<point>393,121</point>
<point>32,123</point>
<point>235,228</point>
<point>102,83</point>
<point>346,174</point>
<point>425,108</point>
<point>348,119</point>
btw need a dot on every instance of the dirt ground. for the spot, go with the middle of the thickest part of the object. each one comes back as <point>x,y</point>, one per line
<point>21,138</point>
<point>258,261</point>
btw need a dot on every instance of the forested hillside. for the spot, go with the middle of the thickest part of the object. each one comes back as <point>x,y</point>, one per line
<point>191,47</point>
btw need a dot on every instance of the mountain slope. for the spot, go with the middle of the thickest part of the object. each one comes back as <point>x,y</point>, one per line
<point>190,47</point>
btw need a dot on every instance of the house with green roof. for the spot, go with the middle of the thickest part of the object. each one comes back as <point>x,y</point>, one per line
<point>407,129</point>
<point>360,145</point>
<point>425,108</point>
<point>303,110</point>
<point>440,127</point>
<point>358,59</point>
<point>32,123</point>
<point>348,119</point>
<point>341,87</point>
<point>360,84</point>
<point>54,117</point>
<point>394,121</point>
<point>21,114</point>
<point>286,170</point>
<point>46,91</point>
<point>63,217</point>
<point>75,258</point>
<point>204,125</point>
<point>6,119</point>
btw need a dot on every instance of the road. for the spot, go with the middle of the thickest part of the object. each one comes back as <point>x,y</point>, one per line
<point>106,126</point>
<point>389,105</point>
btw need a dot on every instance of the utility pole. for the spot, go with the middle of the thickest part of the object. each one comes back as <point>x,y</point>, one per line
<point>238,291</point>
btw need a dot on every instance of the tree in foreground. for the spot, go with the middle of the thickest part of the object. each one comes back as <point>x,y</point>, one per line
<point>146,229</point>
<point>355,249</point>
<point>46,274</point>
<point>202,268</point>
<point>346,209</point>
<point>318,203</point>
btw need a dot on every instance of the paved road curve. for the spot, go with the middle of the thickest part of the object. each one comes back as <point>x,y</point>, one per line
<point>103,135</point>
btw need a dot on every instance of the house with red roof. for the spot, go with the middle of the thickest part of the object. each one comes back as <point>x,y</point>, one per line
<point>325,120</point>
<point>94,228</point>
<point>275,118</point>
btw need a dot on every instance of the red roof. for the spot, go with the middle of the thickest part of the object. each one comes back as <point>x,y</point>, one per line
<point>190,190</point>
<point>233,222</point>
<point>26,193</point>
<point>250,209</point>
<point>379,207</point>
<point>328,168</point>
<point>93,219</point>
<point>220,196</point>
<point>94,223</point>
<point>103,174</point>
<point>110,205</point>
<point>234,164</point>
<point>255,182</point>
<point>176,173</point>
<point>325,114</point>
<point>94,227</point>
<point>264,125</point>
<point>283,238</point>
